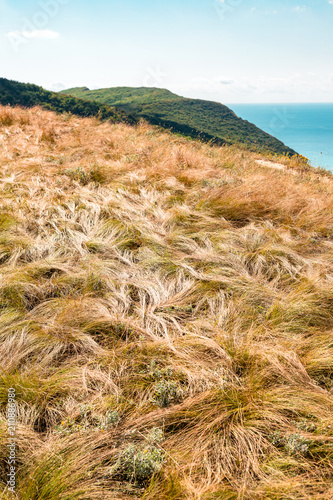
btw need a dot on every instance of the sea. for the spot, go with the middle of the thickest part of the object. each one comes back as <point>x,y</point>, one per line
<point>306,128</point>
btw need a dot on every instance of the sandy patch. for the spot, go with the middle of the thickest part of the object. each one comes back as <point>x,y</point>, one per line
<point>277,166</point>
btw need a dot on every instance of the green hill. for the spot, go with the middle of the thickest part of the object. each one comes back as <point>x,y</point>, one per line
<point>28,95</point>
<point>194,117</point>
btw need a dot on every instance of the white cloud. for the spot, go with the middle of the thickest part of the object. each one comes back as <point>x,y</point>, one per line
<point>210,84</point>
<point>300,8</point>
<point>230,88</point>
<point>56,86</point>
<point>33,34</point>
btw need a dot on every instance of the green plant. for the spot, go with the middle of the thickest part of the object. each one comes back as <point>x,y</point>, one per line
<point>78,175</point>
<point>166,392</point>
<point>293,444</point>
<point>155,435</point>
<point>84,176</point>
<point>88,421</point>
<point>296,445</point>
<point>139,462</point>
<point>158,373</point>
<point>112,418</point>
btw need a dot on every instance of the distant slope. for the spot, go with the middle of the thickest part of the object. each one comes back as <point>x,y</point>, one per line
<point>194,117</point>
<point>28,95</point>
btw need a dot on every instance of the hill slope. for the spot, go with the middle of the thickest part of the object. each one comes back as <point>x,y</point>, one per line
<point>166,316</point>
<point>193,117</point>
<point>22,94</point>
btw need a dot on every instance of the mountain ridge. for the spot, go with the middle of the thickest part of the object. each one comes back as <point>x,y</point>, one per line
<point>207,121</point>
<point>27,95</point>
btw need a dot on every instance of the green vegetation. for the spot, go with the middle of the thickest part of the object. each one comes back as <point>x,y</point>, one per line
<point>204,120</point>
<point>28,95</point>
<point>138,463</point>
<point>192,117</point>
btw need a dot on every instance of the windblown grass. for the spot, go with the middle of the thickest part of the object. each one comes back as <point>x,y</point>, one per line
<point>166,316</point>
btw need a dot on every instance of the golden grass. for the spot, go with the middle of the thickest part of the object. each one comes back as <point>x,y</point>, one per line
<point>151,281</point>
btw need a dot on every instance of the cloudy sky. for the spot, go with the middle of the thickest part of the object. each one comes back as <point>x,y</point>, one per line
<point>229,51</point>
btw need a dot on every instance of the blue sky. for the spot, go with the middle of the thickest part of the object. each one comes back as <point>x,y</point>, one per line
<point>229,51</point>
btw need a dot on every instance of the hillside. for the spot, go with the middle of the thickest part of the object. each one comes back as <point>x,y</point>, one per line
<point>166,316</point>
<point>192,117</point>
<point>28,95</point>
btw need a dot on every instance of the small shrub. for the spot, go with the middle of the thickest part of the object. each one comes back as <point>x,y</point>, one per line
<point>112,418</point>
<point>78,174</point>
<point>294,444</point>
<point>95,174</point>
<point>305,425</point>
<point>85,411</point>
<point>158,373</point>
<point>277,439</point>
<point>155,435</point>
<point>166,392</point>
<point>138,463</point>
<point>70,426</point>
<point>88,422</point>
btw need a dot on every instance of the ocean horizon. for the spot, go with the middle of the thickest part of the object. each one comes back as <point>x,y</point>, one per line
<point>306,128</point>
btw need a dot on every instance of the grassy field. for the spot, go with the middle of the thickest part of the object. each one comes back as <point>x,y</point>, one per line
<point>192,117</point>
<point>166,312</point>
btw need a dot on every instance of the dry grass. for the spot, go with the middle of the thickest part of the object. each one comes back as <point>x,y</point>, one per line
<point>150,281</point>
